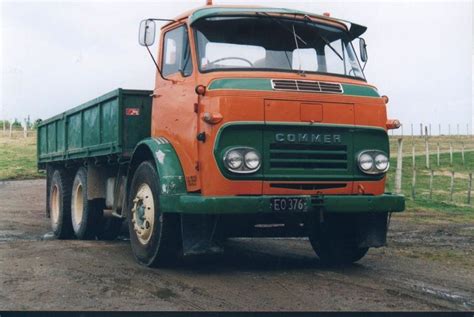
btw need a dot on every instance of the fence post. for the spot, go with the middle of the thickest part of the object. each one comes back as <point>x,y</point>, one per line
<point>398,172</point>
<point>437,154</point>
<point>431,184</point>
<point>11,126</point>
<point>469,188</point>
<point>427,151</point>
<point>451,189</point>
<point>462,153</point>
<point>451,153</point>
<point>413,184</point>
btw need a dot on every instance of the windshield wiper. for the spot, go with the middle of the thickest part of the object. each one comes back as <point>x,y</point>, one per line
<point>298,51</point>
<point>325,40</point>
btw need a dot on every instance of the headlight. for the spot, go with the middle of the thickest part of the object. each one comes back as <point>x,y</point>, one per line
<point>366,162</point>
<point>373,162</point>
<point>234,159</point>
<point>252,160</point>
<point>381,162</point>
<point>242,160</point>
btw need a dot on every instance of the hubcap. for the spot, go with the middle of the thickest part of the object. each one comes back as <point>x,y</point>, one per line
<point>55,205</point>
<point>78,205</point>
<point>143,212</point>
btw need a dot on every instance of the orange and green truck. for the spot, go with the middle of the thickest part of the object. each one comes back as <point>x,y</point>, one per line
<point>261,123</point>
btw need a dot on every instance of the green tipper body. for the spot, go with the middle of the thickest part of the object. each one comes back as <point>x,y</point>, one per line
<point>112,124</point>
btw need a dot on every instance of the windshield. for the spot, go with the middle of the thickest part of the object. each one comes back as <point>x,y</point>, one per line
<point>274,44</point>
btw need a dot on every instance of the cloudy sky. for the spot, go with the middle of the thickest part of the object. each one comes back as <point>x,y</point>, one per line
<point>55,55</point>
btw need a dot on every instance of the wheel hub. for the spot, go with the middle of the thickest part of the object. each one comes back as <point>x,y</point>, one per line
<point>143,213</point>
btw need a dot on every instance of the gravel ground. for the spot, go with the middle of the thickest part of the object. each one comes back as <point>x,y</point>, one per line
<point>427,266</point>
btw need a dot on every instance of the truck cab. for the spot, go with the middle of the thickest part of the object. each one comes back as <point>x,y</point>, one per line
<point>273,121</point>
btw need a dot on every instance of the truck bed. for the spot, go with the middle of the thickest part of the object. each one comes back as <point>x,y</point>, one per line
<point>109,125</point>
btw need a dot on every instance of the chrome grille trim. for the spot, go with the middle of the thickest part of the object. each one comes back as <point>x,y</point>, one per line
<point>306,86</point>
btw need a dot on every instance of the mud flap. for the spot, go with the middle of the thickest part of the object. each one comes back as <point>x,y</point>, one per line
<point>198,234</point>
<point>372,230</point>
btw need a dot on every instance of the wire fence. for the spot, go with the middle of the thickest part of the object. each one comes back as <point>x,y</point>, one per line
<point>433,168</point>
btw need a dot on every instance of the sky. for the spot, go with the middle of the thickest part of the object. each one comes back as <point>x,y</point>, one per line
<point>58,54</point>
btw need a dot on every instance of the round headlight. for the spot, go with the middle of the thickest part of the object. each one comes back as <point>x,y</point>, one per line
<point>234,160</point>
<point>381,162</point>
<point>252,160</point>
<point>366,162</point>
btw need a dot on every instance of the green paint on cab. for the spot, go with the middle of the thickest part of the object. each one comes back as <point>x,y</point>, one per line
<point>198,204</point>
<point>263,84</point>
<point>168,166</point>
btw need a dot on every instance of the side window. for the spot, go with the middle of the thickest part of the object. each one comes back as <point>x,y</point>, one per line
<point>176,53</point>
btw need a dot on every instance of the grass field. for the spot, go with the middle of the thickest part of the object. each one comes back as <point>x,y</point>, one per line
<point>442,173</point>
<point>18,157</point>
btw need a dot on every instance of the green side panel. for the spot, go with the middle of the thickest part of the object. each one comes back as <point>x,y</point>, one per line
<point>172,180</point>
<point>307,153</point>
<point>60,135</point>
<point>91,125</point>
<point>52,137</point>
<point>43,139</point>
<point>96,128</point>
<point>110,114</point>
<point>136,128</point>
<point>198,204</point>
<point>74,131</point>
<point>263,84</point>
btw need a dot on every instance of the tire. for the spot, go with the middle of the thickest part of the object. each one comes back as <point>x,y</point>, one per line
<point>336,252</point>
<point>60,204</point>
<point>335,240</point>
<point>154,236</point>
<point>84,214</point>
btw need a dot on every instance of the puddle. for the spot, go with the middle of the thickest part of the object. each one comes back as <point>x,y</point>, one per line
<point>48,236</point>
<point>443,294</point>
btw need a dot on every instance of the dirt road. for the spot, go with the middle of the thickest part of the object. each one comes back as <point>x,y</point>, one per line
<point>427,266</point>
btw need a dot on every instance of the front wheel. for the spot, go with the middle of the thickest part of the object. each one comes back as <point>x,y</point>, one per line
<point>337,252</point>
<point>154,236</point>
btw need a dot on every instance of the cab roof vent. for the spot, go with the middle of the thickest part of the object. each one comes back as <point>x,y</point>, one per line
<point>306,86</point>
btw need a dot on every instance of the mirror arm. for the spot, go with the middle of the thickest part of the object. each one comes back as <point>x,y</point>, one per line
<point>156,64</point>
<point>151,55</point>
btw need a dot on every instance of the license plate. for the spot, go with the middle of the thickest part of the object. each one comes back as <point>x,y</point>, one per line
<point>288,204</point>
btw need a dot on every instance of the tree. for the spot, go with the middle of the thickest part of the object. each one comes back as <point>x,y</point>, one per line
<point>36,123</point>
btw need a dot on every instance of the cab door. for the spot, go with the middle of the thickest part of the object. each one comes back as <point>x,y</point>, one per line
<point>173,104</point>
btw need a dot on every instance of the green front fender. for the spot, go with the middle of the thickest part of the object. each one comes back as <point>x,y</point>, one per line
<point>168,166</point>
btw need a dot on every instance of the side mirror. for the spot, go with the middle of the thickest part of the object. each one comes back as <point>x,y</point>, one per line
<point>363,50</point>
<point>146,34</point>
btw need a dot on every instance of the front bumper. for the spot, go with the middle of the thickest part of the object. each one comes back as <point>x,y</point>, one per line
<point>197,204</point>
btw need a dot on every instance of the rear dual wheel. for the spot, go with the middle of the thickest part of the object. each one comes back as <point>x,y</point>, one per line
<point>60,204</point>
<point>84,213</point>
<point>72,213</point>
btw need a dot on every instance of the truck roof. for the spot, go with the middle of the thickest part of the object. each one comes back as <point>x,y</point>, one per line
<point>212,11</point>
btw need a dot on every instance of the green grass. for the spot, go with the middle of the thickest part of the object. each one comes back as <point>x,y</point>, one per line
<point>18,157</point>
<point>440,200</point>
